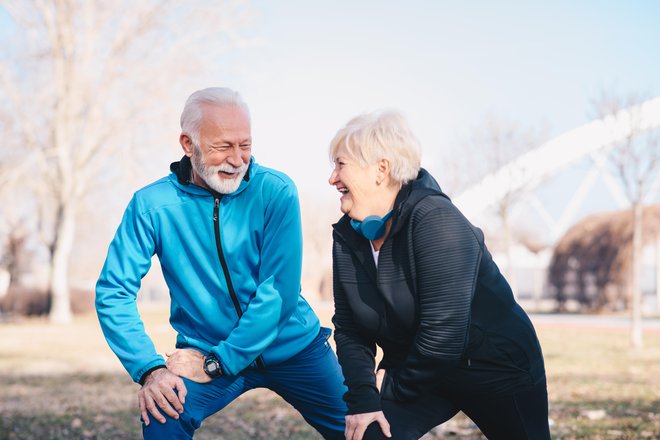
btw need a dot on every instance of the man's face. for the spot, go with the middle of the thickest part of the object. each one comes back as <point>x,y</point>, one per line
<point>221,159</point>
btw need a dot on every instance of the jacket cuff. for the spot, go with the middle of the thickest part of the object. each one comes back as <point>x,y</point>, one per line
<point>362,400</point>
<point>148,372</point>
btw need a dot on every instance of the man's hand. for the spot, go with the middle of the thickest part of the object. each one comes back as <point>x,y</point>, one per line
<point>158,389</point>
<point>356,424</point>
<point>189,364</point>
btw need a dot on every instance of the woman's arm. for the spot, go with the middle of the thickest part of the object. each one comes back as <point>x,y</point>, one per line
<point>447,255</point>
<point>356,354</point>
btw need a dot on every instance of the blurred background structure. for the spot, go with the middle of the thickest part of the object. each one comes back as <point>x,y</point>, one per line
<point>540,121</point>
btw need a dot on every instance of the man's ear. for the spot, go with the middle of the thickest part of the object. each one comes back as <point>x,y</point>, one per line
<point>186,144</point>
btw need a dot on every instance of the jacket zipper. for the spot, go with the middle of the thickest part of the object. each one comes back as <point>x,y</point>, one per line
<point>225,269</point>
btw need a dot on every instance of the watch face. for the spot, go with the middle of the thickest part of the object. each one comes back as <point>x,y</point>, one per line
<point>212,366</point>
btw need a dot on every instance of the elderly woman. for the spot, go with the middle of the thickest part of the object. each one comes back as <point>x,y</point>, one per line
<point>413,276</point>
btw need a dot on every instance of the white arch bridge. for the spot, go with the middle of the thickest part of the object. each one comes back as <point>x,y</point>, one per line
<point>527,172</point>
<point>587,149</point>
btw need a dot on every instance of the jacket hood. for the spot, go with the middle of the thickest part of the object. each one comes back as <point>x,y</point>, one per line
<point>409,195</point>
<point>181,175</point>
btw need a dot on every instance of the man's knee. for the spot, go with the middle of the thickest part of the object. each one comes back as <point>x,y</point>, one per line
<point>182,428</point>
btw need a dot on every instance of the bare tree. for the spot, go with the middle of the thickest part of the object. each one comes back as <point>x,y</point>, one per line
<point>636,161</point>
<point>76,71</point>
<point>493,144</point>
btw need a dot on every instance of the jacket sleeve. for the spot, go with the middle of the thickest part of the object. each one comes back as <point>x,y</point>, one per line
<point>356,354</point>
<point>276,296</point>
<point>128,260</point>
<point>447,256</point>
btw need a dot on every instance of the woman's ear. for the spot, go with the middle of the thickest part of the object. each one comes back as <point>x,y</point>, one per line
<point>384,170</point>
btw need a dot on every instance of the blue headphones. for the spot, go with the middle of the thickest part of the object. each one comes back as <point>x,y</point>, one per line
<point>372,227</point>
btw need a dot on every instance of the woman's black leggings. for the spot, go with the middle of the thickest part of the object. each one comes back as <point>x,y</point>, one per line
<point>521,416</point>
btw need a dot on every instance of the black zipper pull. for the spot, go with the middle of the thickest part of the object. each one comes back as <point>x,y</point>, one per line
<point>215,209</point>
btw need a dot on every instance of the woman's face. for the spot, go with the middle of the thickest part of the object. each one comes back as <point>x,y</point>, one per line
<point>360,193</point>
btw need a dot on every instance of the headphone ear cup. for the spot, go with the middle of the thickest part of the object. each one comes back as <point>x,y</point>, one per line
<point>357,226</point>
<point>372,227</point>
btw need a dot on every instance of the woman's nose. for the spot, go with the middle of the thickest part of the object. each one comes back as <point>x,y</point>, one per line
<point>333,177</point>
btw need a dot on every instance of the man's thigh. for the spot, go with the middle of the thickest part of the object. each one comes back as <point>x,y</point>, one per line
<point>313,383</point>
<point>202,400</point>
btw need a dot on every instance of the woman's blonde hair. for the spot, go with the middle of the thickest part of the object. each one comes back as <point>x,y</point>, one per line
<point>380,135</point>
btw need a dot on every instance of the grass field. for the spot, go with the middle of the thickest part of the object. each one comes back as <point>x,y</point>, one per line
<point>62,382</point>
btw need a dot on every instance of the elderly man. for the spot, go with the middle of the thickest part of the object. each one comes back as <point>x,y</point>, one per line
<point>228,236</point>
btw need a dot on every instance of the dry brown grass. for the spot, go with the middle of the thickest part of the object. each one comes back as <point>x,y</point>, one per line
<point>63,382</point>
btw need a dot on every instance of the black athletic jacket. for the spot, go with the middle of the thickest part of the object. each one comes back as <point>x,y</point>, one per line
<point>437,305</point>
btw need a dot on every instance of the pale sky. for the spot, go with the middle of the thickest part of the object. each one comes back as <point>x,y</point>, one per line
<point>312,65</point>
<point>444,64</point>
<point>309,66</point>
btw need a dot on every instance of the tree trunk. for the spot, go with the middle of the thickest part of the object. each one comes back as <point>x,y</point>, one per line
<point>60,309</point>
<point>5,279</point>
<point>657,273</point>
<point>636,303</point>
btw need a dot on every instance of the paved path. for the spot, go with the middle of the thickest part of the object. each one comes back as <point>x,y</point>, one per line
<point>325,309</point>
<point>595,321</point>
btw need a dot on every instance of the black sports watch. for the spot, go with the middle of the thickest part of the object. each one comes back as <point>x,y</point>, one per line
<point>213,366</point>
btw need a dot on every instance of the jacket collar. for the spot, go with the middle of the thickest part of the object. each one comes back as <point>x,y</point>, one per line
<point>181,173</point>
<point>409,195</point>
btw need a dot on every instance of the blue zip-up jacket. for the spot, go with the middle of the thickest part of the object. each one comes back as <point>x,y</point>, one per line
<point>232,264</point>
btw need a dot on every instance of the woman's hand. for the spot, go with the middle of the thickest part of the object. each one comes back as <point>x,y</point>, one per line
<point>189,364</point>
<point>356,424</point>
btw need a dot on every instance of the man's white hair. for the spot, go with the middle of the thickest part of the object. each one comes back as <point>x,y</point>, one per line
<point>191,117</point>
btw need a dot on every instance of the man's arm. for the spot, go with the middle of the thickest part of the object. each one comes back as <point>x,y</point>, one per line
<point>128,260</point>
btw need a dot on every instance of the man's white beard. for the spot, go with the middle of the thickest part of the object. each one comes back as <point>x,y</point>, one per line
<point>212,178</point>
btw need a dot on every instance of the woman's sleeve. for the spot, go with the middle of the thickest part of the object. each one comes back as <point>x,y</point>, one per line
<point>447,256</point>
<point>356,355</point>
